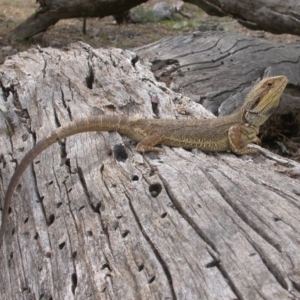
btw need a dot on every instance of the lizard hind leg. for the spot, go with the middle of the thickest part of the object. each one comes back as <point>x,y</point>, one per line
<point>148,144</point>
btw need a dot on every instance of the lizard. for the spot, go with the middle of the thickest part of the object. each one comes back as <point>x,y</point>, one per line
<point>232,132</point>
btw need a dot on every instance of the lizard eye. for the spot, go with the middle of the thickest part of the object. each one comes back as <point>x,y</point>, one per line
<point>270,84</point>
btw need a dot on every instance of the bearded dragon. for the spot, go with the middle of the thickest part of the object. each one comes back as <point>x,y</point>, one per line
<point>233,132</point>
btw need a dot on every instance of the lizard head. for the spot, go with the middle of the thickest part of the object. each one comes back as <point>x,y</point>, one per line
<point>263,100</point>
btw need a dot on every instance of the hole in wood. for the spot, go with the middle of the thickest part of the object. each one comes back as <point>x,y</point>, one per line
<point>101,168</point>
<point>140,268</point>
<point>155,189</point>
<point>74,254</point>
<point>97,208</point>
<point>89,233</point>
<point>163,215</point>
<point>89,79</point>
<point>134,178</point>
<point>155,108</point>
<point>151,279</point>
<point>212,264</point>
<point>134,60</point>
<point>36,236</point>
<point>26,220</point>
<point>50,182</point>
<point>67,162</point>
<point>106,266</point>
<point>74,282</point>
<point>125,233</point>
<point>61,245</point>
<point>119,152</point>
<point>51,219</point>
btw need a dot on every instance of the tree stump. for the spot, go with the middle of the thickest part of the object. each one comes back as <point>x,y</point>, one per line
<point>92,218</point>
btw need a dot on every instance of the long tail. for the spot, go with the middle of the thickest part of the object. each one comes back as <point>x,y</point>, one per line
<point>92,123</point>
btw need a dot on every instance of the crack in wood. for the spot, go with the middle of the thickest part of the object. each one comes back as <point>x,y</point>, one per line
<point>247,219</point>
<point>273,268</point>
<point>186,216</point>
<point>65,104</point>
<point>155,251</point>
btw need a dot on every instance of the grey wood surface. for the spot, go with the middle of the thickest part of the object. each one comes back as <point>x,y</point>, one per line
<point>94,219</point>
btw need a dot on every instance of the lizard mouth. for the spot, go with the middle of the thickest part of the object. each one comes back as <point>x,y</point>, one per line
<point>266,105</point>
<point>254,105</point>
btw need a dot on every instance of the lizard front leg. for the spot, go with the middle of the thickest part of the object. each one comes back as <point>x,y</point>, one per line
<point>240,136</point>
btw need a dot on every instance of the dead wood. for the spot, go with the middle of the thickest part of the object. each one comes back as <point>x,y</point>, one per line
<point>51,11</point>
<point>94,219</point>
<point>274,16</point>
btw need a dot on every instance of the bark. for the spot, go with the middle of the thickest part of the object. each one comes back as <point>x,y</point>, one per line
<point>94,219</point>
<point>275,16</point>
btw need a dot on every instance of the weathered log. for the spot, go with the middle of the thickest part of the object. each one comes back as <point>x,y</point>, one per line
<point>94,219</point>
<point>51,11</point>
<point>274,16</point>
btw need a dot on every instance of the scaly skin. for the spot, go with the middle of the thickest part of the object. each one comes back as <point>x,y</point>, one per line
<point>233,132</point>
